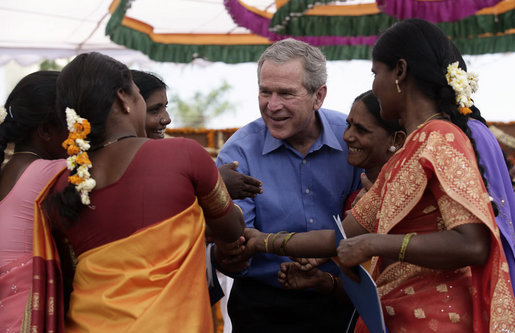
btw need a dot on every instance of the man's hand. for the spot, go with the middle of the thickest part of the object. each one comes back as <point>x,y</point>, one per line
<point>224,254</point>
<point>239,185</point>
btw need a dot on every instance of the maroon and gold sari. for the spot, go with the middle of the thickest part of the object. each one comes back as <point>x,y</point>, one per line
<point>433,184</point>
<point>45,305</point>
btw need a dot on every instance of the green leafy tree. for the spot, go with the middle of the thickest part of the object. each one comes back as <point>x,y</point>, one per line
<point>50,65</point>
<point>201,108</point>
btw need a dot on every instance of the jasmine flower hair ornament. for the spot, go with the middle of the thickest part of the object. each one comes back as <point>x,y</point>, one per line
<point>76,147</point>
<point>3,114</point>
<point>464,85</point>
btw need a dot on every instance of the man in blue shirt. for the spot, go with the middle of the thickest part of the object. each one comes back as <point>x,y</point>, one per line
<point>297,151</point>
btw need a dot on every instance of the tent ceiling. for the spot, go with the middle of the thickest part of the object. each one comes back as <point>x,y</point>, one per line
<point>32,30</point>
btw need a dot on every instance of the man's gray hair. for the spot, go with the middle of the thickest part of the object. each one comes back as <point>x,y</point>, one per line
<point>314,61</point>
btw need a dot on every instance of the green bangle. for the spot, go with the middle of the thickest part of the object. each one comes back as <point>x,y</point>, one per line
<point>404,246</point>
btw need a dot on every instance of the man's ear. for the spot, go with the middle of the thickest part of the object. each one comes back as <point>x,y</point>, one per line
<point>320,94</point>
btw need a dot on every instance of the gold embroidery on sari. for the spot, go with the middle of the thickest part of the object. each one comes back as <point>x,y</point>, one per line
<point>409,291</point>
<point>440,224</point>
<point>442,288</point>
<point>35,301</point>
<point>419,313</point>
<point>429,209</point>
<point>454,214</point>
<point>449,137</point>
<point>397,274</point>
<point>503,305</point>
<point>368,210</point>
<point>433,325</point>
<point>390,310</point>
<point>51,305</point>
<point>401,194</point>
<point>456,173</point>
<point>216,202</point>
<point>454,317</point>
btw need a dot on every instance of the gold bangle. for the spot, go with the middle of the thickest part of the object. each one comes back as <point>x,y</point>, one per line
<point>266,242</point>
<point>241,211</point>
<point>272,241</point>
<point>404,246</point>
<point>282,250</point>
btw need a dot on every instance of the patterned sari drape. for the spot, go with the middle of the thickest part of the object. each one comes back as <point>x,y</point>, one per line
<point>433,184</point>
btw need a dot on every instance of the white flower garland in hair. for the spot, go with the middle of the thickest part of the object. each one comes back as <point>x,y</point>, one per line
<point>464,85</point>
<point>3,114</point>
<point>76,146</point>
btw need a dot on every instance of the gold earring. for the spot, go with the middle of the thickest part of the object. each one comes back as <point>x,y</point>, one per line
<point>398,88</point>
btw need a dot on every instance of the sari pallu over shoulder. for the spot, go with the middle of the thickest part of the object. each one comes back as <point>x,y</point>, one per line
<point>438,150</point>
<point>45,305</point>
<point>151,281</point>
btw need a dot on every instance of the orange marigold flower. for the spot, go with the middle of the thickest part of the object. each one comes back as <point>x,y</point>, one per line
<point>465,111</point>
<point>75,179</point>
<point>73,149</point>
<point>83,159</point>
<point>87,127</point>
<point>68,142</point>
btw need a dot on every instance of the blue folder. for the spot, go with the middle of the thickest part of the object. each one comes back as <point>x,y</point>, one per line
<point>363,295</point>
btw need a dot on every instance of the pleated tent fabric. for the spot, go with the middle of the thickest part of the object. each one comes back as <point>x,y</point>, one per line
<point>235,31</point>
<point>343,31</point>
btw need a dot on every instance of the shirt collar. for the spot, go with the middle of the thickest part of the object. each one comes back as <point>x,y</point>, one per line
<point>326,137</point>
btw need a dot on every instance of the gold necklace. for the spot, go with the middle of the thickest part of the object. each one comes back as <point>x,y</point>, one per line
<point>26,152</point>
<point>428,119</point>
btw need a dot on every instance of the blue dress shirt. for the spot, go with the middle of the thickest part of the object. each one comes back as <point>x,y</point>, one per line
<point>300,193</point>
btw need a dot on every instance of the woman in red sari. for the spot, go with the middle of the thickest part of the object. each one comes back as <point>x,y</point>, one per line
<point>132,210</point>
<point>427,223</point>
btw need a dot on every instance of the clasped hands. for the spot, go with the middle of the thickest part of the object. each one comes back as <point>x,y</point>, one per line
<point>234,257</point>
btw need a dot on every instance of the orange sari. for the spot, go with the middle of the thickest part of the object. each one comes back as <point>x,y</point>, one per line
<point>134,284</point>
<point>433,184</point>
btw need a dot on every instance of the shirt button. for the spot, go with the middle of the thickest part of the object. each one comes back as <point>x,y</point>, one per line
<point>307,191</point>
<point>310,220</point>
<point>304,161</point>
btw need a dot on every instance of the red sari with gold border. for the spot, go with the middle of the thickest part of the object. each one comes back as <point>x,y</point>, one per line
<point>433,184</point>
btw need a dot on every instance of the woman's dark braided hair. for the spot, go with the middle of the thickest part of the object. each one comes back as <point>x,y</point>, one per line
<point>428,52</point>
<point>30,104</point>
<point>88,84</point>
